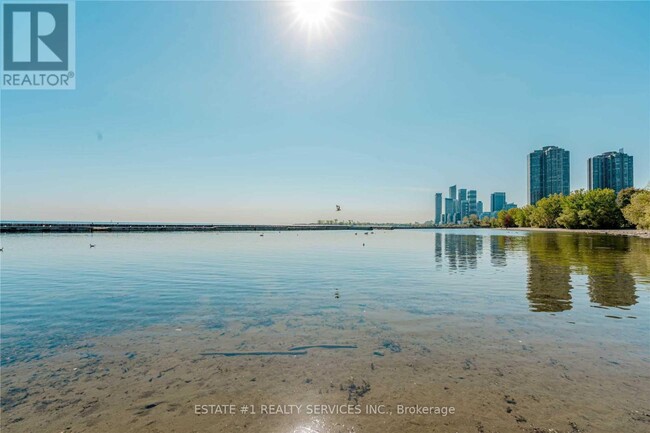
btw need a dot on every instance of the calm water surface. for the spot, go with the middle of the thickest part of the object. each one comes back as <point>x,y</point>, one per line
<point>56,291</point>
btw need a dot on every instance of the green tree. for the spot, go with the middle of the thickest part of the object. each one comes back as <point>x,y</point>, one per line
<point>599,210</point>
<point>546,211</point>
<point>505,219</point>
<point>595,209</point>
<point>522,218</point>
<point>518,216</point>
<point>638,211</point>
<point>625,196</point>
<point>572,205</point>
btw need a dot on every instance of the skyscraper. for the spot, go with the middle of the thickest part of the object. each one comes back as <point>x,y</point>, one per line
<point>463,205</point>
<point>438,208</point>
<point>471,198</point>
<point>452,192</point>
<point>497,201</point>
<point>453,213</point>
<point>611,170</point>
<point>449,210</point>
<point>464,209</point>
<point>479,207</point>
<point>548,173</point>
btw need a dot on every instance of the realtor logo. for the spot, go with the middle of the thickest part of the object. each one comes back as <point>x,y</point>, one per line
<point>38,45</point>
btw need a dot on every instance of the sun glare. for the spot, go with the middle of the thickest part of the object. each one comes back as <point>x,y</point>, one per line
<point>313,15</point>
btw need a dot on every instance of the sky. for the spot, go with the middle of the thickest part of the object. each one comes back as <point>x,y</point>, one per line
<point>225,112</point>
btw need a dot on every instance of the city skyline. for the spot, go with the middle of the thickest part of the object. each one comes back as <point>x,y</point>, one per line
<point>548,173</point>
<point>242,118</point>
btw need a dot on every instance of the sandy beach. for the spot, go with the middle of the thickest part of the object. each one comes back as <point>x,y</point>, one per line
<point>506,381</point>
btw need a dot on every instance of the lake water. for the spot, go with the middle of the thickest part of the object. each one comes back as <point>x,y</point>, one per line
<point>422,308</point>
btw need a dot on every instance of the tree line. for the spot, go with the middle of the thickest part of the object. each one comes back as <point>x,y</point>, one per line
<point>595,209</point>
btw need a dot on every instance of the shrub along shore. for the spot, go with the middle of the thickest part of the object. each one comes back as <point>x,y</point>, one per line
<point>599,209</point>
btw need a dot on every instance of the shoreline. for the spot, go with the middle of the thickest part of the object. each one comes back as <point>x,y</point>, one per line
<point>45,227</point>
<point>87,227</point>
<point>645,234</point>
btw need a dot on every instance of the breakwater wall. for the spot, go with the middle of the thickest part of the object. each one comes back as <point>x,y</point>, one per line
<point>45,227</point>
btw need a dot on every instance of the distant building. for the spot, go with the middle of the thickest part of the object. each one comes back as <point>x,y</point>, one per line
<point>497,201</point>
<point>611,170</point>
<point>471,198</point>
<point>464,209</point>
<point>452,192</point>
<point>449,210</point>
<point>461,203</point>
<point>548,173</point>
<point>438,218</point>
<point>510,206</point>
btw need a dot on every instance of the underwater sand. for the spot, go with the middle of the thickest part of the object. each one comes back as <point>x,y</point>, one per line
<point>486,327</point>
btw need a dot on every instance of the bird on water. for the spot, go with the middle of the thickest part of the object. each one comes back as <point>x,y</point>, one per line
<point>92,245</point>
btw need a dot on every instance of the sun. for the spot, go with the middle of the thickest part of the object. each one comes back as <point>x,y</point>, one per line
<point>313,15</point>
<point>313,12</point>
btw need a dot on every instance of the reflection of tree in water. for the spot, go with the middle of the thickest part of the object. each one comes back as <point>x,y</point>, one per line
<point>462,251</point>
<point>610,284</point>
<point>549,281</point>
<point>498,250</point>
<point>611,263</point>
<point>613,290</point>
<point>608,261</point>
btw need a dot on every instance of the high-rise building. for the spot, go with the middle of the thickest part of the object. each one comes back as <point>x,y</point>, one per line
<point>452,192</point>
<point>462,194</point>
<point>449,210</point>
<point>548,173</point>
<point>464,209</point>
<point>479,207</point>
<point>453,212</point>
<point>497,201</point>
<point>611,170</point>
<point>471,198</point>
<point>438,208</point>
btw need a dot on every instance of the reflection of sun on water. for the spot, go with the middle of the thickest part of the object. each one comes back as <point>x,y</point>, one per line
<point>315,425</point>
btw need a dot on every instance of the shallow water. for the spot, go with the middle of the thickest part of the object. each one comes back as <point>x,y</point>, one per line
<point>404,294</point>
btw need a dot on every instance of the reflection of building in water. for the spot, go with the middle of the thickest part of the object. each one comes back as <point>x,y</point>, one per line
<point>552,258</point>
<point>610,263</point>
<point>549,279</point>
<point>612,290</point>
<point>462,251</point>
<point>438,247</point>
<point>498,250</point>
<point>610,283</point>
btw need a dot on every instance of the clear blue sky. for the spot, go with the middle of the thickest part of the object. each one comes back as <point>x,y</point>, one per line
<point>219,112</point>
